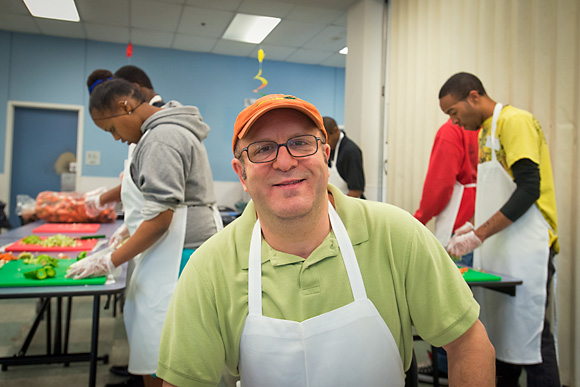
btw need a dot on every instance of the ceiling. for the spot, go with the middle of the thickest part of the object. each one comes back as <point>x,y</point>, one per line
<point>311,31</point>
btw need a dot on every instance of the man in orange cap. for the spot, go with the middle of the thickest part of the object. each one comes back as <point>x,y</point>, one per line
<point>310,286</point>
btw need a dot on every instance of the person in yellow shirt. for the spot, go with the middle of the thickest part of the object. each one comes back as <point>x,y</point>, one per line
<point>515,229</point>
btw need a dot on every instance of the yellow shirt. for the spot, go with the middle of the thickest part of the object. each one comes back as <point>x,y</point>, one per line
<point>520,137</point>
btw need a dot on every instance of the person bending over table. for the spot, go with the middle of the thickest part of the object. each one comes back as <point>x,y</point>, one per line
<point>171,169</point>
<point>516,226</point>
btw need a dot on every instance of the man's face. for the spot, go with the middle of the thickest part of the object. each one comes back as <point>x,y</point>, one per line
<point>288,187</point>
<point>463,112</point>
<point>333,136</point>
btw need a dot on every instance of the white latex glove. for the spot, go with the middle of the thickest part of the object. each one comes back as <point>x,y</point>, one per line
<point>119,236</point>
<point>95,265</point>
<point>467,227</point>
<point>93,206</point>
<point>460,245</point>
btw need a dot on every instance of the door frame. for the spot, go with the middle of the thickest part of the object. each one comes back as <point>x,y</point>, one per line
<point>9,140</point>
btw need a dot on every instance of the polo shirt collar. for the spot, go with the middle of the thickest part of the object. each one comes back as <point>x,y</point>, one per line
<point>349,212</point>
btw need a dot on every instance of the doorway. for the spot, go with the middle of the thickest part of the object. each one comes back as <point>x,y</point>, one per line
<point>40,133</point>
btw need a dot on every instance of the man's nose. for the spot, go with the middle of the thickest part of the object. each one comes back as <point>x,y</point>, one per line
<point>285,160</point>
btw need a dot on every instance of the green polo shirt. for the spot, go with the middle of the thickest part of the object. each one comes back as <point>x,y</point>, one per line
<point>407,275</point>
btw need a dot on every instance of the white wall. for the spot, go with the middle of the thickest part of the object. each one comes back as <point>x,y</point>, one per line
<point>527,54</point>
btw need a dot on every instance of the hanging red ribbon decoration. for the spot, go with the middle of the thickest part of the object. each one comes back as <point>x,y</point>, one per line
<point>129,50</point>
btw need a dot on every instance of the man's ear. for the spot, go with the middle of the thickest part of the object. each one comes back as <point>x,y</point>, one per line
<point>239,170</point>
<point>473,97</point>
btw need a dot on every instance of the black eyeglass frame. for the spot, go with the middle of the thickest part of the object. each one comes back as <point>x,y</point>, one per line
<point>278,146</point>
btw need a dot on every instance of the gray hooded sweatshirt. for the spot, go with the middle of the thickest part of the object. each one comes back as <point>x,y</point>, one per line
<point>171,168</point>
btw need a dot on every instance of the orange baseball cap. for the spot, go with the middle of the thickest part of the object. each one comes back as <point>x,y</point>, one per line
<point>249,115</point>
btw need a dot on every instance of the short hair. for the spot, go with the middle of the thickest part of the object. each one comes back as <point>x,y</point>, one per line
<point>460,84</point>
<point>134,74</point>
<point>106,91</point>
<point>329,124</point>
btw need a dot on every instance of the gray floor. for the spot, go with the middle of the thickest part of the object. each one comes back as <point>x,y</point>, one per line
<point>16,317</point>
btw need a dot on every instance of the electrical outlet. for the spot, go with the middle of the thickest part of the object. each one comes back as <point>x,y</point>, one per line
<point>93,158</point>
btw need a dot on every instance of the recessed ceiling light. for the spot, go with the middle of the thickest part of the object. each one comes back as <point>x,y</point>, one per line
<point>250,28</point>
<point>344,51</point>
<point>53,9</point>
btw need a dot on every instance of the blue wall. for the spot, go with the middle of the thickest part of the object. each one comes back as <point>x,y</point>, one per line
<point>37,68</point>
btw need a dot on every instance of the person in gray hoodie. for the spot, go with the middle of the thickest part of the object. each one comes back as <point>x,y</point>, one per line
<point>171,170</point>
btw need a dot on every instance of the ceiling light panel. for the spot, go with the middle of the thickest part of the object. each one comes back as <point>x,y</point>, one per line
<point>53,9</point>
<point>250,28</point>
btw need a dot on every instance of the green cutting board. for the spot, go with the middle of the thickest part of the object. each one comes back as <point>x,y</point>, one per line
<point>478,276</point>
<point>12,275</point>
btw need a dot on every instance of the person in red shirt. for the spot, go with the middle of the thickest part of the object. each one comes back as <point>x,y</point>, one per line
<point>452,167</point>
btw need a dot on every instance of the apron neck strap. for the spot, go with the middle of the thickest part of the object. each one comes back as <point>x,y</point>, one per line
<point>255,271</point>
<point>348,255</point>
<point>346,249</point>
<point>496,112</point>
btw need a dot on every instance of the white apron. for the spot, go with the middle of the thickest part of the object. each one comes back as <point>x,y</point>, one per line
<point>445,221</point>
<point>152,282</point>
<point>514,324</point>
<point>349,346</point>
<point>131,197</point>
<point>335,178</point>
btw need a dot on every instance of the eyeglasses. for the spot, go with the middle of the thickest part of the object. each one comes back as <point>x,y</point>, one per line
<point>266,151</point>
<point>119,115</point>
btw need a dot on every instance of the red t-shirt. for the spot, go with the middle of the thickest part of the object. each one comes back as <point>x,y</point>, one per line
<point>453,158</point>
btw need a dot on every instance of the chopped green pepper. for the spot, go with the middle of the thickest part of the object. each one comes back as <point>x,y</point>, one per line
<point>36,274</point>
<point>26,256</point>
<point>82,255</point>
<point>50,272</point>
<point>41,273</point>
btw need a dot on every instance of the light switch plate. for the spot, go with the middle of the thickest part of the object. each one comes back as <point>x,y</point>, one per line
<point>93,158</point>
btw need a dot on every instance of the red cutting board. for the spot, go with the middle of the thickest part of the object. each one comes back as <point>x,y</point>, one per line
<point>12,275</point>
<point>67,227</point>
<point>80,245</point>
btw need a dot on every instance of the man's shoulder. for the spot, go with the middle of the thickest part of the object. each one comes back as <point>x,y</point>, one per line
<point>373,214</point>
<point>348,149</point>
<point>450,132</point>
<point>510,114</point>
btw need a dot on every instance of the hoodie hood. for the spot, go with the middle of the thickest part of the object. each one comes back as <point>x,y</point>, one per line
<point>174,113</point>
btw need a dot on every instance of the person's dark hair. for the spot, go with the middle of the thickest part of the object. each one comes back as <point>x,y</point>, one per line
<point>107,91</point>
<point>134,74</point>
<point>460,84</point>
<point>329,124</point>
<point>97,77</point>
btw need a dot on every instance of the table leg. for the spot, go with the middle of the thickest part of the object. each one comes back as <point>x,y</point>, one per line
<point>94,342</point>
<point>67,327</point>
<point>30,336</point>
<point>48,326</point>
<point>58,327</point>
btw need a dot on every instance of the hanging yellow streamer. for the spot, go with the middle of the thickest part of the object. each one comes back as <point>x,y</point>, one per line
<point>259,75</point>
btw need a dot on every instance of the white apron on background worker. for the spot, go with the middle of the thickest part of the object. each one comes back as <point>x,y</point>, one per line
<point>349,346</point>
<point>445,221</point>
<point>335,178</point>
<point>152,282</point>
<point>514,324</point>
